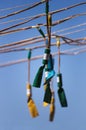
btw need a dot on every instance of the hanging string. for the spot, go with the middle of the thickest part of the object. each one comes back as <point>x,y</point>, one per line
<point>47,13</point>
<point>61,92</point>
<point>30,103</point>
<point>58,45</point>
<point>29,57</point>
<point>49,26</point>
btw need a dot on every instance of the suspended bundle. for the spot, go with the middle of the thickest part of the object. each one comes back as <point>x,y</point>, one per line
<point>61,92</point>
<point>48,67</point>
<point>52,107</point>
<point>49,92</point>
<point>30,103</point>
<point>38,77</point>
<point>47,61</point>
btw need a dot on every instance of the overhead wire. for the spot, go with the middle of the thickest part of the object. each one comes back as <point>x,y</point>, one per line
<point>7,50</point>
<point>71,27</point>
<point>20,42</point>
<point>40,15</point>
<point>61,30</point>
<point>20,6</point>
<point>40,39</point>
<point>23,10</point>
<point>53,24</point>
<point>76,31</point>
<point>53,12</point>
<point>14,20</point>
<point>14,7</point>
<point>70,42</point>
<point>29,41</point>
<point>66,52</point>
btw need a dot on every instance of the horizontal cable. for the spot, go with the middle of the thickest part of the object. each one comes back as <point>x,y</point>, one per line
<point>76,31</point>
<point>69,28</point>
<point>62,9</point>
<point>26,42</point>
<point>20,6</point>
<point>24,49</point>
<point>14,7</point>
<point>66,52</point>
<point>22,41</point>
<point>20,11</point>
<point>67,8</point>
<point>14,20</point>
<point>53,24</point>
<point>40,15</point>
<point>21,23</point>
<point>70,42</point>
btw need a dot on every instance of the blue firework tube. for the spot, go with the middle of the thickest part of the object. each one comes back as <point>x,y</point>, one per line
<point>46,71</point>
<point>47,8</point>
<point>46,55</point>
<point>41,32</point>
<point>59,80</point>
<point>29,54</point>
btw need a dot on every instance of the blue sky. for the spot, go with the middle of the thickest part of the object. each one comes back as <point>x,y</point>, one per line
<point>14,114</point>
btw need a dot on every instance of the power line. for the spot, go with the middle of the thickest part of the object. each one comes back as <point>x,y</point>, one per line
<point>14,20</point>
<point>7,50</point>
<point>38,39</point>
<point>36,4</point>
<point>14,7</point>
<point>66,52</point>
<point>53,24</point>
<point>71,27</point>
<point>76,31</point>
<point>22,41</point>
<point>20,11</point>
<point>29,41</point>
<point>40,15</point>
<point>70,42</point>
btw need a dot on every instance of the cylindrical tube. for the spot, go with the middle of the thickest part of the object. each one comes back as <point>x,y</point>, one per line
<point>59,80</point>
<point>28,90</point>
<point>45,57</point>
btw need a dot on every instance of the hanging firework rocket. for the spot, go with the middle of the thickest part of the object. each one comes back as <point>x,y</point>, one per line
<point>61,92</point>
<point>30,103</point>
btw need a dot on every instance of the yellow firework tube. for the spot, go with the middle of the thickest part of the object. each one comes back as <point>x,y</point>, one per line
<point>58,41</point>
<point>32,108</point>
<point>52,109</point>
